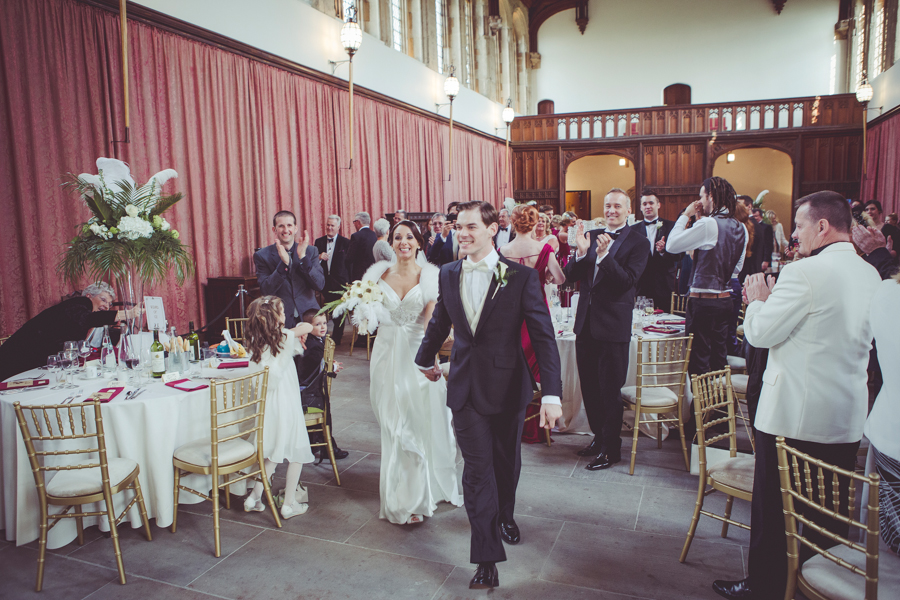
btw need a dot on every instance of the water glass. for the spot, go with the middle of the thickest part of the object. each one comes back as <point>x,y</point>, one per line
<point>84,350</point>
<point>64,364</point>
<point>53,366</point>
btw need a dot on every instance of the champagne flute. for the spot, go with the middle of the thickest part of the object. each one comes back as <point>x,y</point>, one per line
<point>64,363</point>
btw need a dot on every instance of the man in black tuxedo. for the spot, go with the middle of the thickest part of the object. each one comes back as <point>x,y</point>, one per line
<point>608,263</point>
<point>768,239</point>
<point>658,279</point>
<point>359,253</point>
<point>490,386</point>
<point>332,249</point>
<point>505,233</point>
<point>290,269</point>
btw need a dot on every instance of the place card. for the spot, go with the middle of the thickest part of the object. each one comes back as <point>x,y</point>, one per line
<point>23,383</point>
<point>156,313</point>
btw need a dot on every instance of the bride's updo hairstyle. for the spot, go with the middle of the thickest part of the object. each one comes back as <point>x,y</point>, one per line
<point>524,217</point>
<point>262,330</point>
<point>415,231</point>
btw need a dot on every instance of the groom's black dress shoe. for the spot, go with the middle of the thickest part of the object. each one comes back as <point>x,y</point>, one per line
<point>592,449</point>
<point>736,590</point>
<point>604,461</point>
<point>509,532</point>
<point>485,577</point>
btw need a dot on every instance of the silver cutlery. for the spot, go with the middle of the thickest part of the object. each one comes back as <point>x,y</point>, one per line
<point>137,393</point>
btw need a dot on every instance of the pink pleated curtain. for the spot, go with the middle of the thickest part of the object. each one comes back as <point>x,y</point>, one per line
<point>246,138</point>
<point>882,181</point>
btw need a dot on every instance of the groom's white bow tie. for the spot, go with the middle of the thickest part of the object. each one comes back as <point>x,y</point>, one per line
<point>469,266</point>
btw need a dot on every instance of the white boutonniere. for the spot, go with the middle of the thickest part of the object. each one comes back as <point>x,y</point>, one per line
<point>501,275</point>
<point>659,225</point>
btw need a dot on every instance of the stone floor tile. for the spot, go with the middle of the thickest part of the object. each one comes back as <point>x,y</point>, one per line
<point>64,578</point>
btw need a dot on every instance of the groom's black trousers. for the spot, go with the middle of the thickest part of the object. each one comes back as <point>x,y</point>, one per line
<point>491,448</point>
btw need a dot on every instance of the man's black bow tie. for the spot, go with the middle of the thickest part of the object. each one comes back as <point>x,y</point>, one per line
<point>653,222</point>
<point>504,228</point>
<point>330,239</point>
<point>612,234</point>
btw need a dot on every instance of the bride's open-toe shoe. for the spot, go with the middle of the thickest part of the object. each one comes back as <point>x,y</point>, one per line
<point>251,505</point>
<point>415,520</point>
<point>292,510</point>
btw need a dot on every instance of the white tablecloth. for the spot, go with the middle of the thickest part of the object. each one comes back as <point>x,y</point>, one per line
<point>574,419</point>
<point>147,429</point>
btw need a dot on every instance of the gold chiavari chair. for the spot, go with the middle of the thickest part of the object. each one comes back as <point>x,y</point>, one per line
<point>732,476</point>
<point>738,364</point>
<point>848,569</point>
<point>369,337</point>
<point>316,418</point>
<point>679,304</point>
<point>536,401</point>
<point>235,327</point>
<point>739,386</point>
<point>237,412</point>
<point>661,372</point>
<point>68,425</point>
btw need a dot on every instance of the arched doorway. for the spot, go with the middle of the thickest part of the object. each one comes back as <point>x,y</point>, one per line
<point>756,169</point>
<point>597,174</point>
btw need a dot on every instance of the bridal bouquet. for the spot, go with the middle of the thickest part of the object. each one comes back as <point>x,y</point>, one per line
<point>364,301</point>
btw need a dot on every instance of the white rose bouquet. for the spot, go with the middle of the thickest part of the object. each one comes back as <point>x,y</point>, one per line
<point>364,300</point>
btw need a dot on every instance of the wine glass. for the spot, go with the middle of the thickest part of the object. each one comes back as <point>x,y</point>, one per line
<point>64,363</point>
<point>145,362</point>
<point>84,350</point>
<point>53,366</point>
<point>136,364</point>
<point>72,356</point>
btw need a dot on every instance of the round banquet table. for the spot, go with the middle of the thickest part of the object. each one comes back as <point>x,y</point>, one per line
<point>146,429</point>
<point>574,419</point>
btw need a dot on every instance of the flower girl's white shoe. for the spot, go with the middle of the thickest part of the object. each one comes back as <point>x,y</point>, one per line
<point>292,510</point>
<point>251,505</point>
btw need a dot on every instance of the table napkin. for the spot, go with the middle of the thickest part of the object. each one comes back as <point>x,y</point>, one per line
<point>670,321</point>
<point>23,383</point>
<point>654,329</point>
<point>186,385</point>
<point>234,364</point>
<point>105,394</point>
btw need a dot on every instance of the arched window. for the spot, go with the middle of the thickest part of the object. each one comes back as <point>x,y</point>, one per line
<point>677,93</point>
<point>397,28</point>
<point>439,30</point>
<point>469,56</point>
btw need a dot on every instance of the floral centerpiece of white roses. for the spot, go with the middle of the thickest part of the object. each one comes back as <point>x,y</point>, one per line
<point>127,234</point>
<point>364,301</point>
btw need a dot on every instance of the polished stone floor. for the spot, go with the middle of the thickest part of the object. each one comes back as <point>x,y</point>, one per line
<point>603,535</point>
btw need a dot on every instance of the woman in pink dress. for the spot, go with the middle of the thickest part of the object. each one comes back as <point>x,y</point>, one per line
<point>540,256</point>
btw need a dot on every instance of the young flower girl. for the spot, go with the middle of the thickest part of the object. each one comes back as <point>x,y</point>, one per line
<point>284,429</point>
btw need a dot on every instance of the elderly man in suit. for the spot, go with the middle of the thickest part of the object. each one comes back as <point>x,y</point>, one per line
<point>359,253</point>
<point>814,386</point>
<point>290,269</point>
<point>505,231</point>
<point>608,265</point>
<point>658,279</point>
<point>332,249</point>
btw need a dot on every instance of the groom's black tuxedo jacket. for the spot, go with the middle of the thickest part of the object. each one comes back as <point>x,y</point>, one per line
<point>489,367</point>
<point>605,304</point>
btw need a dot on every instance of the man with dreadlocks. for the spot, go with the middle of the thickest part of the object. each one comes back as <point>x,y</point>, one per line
<point>719,241</point>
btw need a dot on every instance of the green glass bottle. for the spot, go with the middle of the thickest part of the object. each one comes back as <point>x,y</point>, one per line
<point>157,356</point>
<point>193,340</point>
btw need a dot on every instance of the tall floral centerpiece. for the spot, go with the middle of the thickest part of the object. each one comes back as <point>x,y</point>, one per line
<point>127,239</point>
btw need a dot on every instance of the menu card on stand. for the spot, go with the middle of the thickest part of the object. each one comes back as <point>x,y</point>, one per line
<point>156,313</point>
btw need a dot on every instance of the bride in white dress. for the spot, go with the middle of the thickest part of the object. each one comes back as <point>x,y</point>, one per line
<point>418,446</point>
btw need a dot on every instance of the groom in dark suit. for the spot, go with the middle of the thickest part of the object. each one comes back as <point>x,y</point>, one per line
<point>489,385</point>
<point>608,263</point>
<point>658,279</point>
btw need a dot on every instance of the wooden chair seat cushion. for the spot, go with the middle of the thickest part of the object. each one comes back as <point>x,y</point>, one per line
<point>734,472</point>
<point>834,581</point>
<point>656,396</point>
<point>739,383</point>
<point>199,452</point>
<point>736,362</point>
<point>83,482</point>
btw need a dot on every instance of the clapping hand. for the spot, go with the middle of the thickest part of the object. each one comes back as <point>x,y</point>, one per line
<point>603,243</point>
<point>868,239</point>
<point>756,287</point>
<point>283,253</point>
<point>582,243</point>
<point>303,244</point>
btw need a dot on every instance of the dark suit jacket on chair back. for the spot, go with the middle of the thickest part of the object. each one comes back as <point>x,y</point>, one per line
<point>606,303</point>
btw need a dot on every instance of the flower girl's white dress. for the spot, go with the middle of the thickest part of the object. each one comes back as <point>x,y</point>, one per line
<point>418,446</point>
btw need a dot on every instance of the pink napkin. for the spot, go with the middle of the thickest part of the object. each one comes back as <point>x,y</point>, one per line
<point>104,394</point>
<point>23,384</point>
<point>234,365</point>
<point>186,385</point>
<point>670,322</point>
<point>653,329</point>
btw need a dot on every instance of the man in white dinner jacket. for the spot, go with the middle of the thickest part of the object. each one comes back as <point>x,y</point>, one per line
<point>814,323</point>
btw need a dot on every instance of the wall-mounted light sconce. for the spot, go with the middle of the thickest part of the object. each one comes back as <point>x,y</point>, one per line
<point>864,94</point>
<point>623,162</point>
<point>730,157</point>
<point>351,40</point>
<point>451,89</point>
<point>508,115</point>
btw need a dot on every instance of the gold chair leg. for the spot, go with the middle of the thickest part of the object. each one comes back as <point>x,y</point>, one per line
<point>143,509</point>
<point>728,504</point>
<point>326,432</point>
<point>79,522</point>
<point>694,520</point>
<point>42,550</point>
<point>175,509</point>
<point>368,347</point>
<point>634,440</point>
<point>227,493</point>
<point>658,435</point>
<point>684,448</point>
<point>114,534</point>
<point>215,503</point>
<point>268,490</point>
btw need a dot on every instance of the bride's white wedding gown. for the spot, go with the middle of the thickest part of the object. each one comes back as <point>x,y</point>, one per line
<point>418,446</point>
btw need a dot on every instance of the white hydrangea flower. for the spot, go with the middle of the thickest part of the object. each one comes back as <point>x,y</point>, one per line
<point>132,228</point>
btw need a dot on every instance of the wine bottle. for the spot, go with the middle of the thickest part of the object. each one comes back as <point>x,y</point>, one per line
<point>157,356</point>
<point>194,341</point>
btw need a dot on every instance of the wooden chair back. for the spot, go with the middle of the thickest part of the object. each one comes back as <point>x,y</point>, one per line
<point>678,304</point>
<point>235,327</point>
<point>713,405</point>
